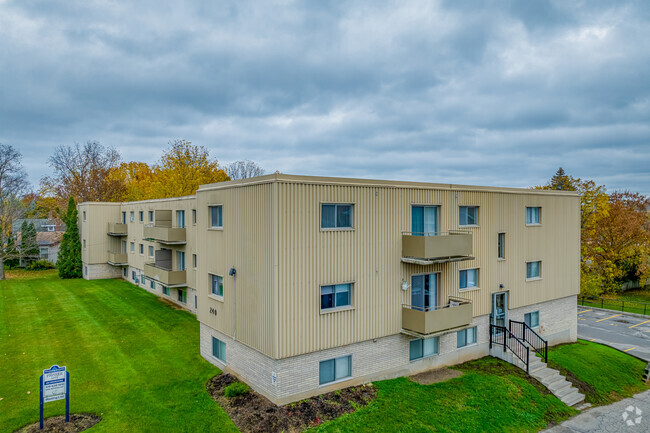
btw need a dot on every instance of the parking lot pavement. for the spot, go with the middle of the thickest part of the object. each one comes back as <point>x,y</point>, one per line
<point>630,334</point>
<point>629,415</point>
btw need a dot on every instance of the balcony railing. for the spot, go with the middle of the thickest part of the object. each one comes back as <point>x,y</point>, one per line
<point>167,277</point>
<point>439,247</point>
<point>117,259</point>
<point>116,229</point>
<point>165,235</point>
<point>425,321</point>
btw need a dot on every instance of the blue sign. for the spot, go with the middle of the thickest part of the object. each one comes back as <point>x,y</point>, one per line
<point>55,385</point>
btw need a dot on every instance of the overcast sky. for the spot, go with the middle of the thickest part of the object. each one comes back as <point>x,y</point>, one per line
<point>482,92</point>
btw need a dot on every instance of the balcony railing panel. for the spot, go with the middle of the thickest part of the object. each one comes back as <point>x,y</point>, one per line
<point>424,321</point>
<point>168,235</point>
<point>116,229</point>
<point>165,276</point>
<point>431,248</point>
<point>117,258</point>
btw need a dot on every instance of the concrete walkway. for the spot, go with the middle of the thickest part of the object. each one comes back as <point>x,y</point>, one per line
<point>626,416</point>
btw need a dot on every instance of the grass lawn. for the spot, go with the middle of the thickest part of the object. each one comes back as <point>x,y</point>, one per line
<point>131,357</point>
<point>603,374</point>
<point>490,396</point>
<point>630,301</point>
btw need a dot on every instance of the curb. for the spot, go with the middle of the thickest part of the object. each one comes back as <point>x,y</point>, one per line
<point>637,315</point>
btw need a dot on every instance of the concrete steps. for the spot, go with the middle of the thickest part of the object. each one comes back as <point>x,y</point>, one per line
<point>550,378</point>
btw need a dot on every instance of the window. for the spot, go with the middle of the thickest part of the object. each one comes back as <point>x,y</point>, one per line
<point>84,244</point>
<point>150,216</point>
<point>196,302</point>
<point>468,278</point>
<point>194,260</point>
<point>532,319</point>
<point>132,216</point>
<point>180,219</point>
<point>216,216</point>
<point>468,215</point>
<point>216,285</point>
<point>133,247</point>
<point>533,215</point>
<point>141,250</point>
<point>141,216</point>
<point>124,247</point>
<point>152,284</point>
<point>84,218</point>
<point>86,270</point>
<point>150,251</point>
<point>219,349</point>
<point>180,260</point>
<point>466,337</point>
<point>335,369</point>
<point>123,217</point>
<point>133,275</point>
<point>533,270</point>
<point>422,348</point>
<point>124,272</point>
<point>336,216</point>
<point>335,296</point>
<point>44,252</point>
<point>165,290</point>
<point>182,296</point>
<point>193,216</point>
<point>501,246</point>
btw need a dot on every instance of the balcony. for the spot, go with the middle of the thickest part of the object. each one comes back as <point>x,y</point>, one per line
<point>422,322</point>
<point>117,259</point>
<point>116,229</point>
<point>166,277</point>
<point>430,248</point>
<point>165,235</point>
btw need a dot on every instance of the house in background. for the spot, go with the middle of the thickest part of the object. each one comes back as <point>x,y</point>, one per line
<point>49,233</point>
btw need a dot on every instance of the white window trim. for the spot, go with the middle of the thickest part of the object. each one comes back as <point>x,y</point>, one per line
<point>336,229</point>
<point>343,379</point>
<point>210,226</point>
<point>212,354</point>
<point>468,225</point>
<point>215,296</point>
<point>540,217</point>
<point>470,288</point>
<point>424,357</point>
<point>540,271</point>
<point>341,308</point>
<point>471,344</point>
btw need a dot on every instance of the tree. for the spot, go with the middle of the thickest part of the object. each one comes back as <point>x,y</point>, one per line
<point>182,168</point>
<point>69,260</point>
<point>136,180</point>
<point>561,181</point>
<point>621,244</point>
<point>81,172</point>
<point>28,244</point>
<point>244,170</point>
<point>13,182</point>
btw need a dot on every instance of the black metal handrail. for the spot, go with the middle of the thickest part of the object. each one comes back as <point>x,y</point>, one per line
<point>501,336</point>
<point>525,333</point>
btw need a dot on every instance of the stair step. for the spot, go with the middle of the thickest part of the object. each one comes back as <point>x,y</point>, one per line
<point>560,384</point>
<point>563,392</point>
<point>573,398</point>
<point>543,373</point>
<point>549,380</point>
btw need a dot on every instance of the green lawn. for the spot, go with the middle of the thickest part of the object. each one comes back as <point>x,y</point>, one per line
<point>491,396</point>
<point>630,301</point>
<point>131,357</point>
<point>608,375</point>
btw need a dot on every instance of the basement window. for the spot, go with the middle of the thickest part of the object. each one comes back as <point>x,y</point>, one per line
<point>219,349</point>
<point>334,370</point>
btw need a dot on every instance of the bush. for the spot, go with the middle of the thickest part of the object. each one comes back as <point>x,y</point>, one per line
<point>235,389</point>
<point>40,265</point>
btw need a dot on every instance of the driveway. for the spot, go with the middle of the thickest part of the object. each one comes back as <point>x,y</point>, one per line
<point>626,416</point>
<point>628,333</point>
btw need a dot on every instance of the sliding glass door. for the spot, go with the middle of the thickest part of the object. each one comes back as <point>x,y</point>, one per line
<point>424,292</point>
<point>424,220</point>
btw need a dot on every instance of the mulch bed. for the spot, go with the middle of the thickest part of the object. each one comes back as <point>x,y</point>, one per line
<point>435,376</point>
<point>253,412</point>
<point>56,424</point>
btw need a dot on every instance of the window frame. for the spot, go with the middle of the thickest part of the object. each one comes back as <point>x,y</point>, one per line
<point>465,224</point>
<point>194,217</point>
<point>132,216</point>
<point>467,288</point>
<point>141,216</point>
<point>181,296</point>
<point>142,249</point>
<point>195,261</point>
<point>151,216</point>
<point>132,247</point>
<point>539,270</point>
<point>334,293</point>
<point>335,380</point>
<point>530,316</point>
<point>210,224</point>
<point>152,251</point>
<point>539,216</point>
<point>166,291</point>
<point>464,331</point>
<point>223,289</point>
<point>501,246</point>
<point>221,347</point>
<point>336,227</point>
<point>423,356</point>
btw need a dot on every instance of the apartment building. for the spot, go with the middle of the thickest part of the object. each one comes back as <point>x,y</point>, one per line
<point>307,284</point>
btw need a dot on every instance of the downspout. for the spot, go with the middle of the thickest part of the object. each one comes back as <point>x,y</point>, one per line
<point>233,273</point>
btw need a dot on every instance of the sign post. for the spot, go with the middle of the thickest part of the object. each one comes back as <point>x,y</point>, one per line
<point>55,385</point>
